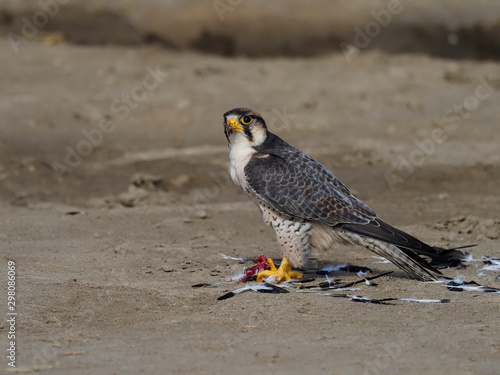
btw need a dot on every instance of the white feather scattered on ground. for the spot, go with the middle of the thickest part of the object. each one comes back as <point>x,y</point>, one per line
<point>256,287</point>
<point>239,259</point>
<point>423,300</point>
<point>491,267</point>
<point>381,259</point>
<point>346,267</point>
<point>236,277</point>
<point>332,268</point>
<point>458,283</point>
<point>362,273</point>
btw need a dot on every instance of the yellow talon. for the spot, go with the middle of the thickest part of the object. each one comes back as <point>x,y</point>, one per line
<point>283,273</point>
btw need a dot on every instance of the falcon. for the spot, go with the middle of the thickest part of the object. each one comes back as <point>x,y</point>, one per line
<point>307,206</point>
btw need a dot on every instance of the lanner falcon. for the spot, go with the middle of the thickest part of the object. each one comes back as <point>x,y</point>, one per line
<point>307,206</point>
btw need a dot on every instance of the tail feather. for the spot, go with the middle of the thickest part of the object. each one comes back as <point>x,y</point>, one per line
<point>406,251</point>
<point>412,264</point>
<point>383,231</point>
<point>405,259</point>
<point>450,257</point>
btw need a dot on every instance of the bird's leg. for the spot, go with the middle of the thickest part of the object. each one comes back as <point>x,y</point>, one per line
<point>284,272</point>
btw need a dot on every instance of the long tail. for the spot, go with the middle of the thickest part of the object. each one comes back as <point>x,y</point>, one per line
<point>409,262</point>
<point>404,250</point>
<point>450,257</point>
<point>405,259</point>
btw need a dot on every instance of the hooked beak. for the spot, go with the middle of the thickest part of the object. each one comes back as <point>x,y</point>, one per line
<point>231,126</point>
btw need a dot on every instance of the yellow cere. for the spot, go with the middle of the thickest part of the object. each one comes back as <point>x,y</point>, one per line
<point>234,124</point>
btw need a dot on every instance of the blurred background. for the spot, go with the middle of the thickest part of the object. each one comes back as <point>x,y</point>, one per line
<point>450,29</point>
<point>95,92</point>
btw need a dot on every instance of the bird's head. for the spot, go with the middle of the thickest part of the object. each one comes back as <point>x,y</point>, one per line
<point>244,125</point>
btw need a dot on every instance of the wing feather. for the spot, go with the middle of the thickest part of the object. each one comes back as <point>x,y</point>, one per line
<point>297,185</point>
<point>382,230</point>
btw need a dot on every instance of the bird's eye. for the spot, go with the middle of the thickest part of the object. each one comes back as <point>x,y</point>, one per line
<point>245,120</point>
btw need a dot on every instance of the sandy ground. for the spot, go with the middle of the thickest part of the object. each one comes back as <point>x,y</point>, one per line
<point>116,200</point>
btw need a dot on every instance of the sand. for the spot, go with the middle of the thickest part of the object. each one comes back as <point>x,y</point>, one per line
<point>116,200</point>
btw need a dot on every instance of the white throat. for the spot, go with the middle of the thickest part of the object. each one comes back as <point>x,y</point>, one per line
<point>241,151</point>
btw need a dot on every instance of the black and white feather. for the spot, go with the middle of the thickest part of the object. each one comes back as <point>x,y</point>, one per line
<point>307,205</point>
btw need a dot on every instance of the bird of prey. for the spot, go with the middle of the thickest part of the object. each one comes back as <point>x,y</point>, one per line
<point>307,206</point>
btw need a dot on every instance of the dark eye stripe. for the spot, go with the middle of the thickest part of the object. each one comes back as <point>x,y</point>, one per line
<point>248,133</point>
